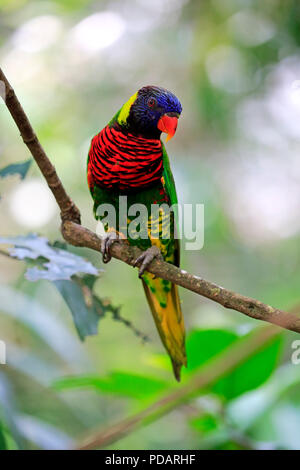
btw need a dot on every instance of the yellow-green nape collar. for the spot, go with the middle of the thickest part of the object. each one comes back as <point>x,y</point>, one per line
<point>124,112</point>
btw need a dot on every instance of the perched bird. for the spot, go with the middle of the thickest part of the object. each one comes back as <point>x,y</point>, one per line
<point>128,158</point>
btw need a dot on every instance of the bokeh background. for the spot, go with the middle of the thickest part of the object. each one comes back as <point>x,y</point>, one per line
<point>235,66</point>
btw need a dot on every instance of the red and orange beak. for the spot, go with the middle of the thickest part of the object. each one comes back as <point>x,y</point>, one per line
<point>168,124</point>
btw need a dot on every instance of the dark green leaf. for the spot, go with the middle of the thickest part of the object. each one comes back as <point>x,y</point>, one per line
<point>251,373</point>
<point>87,308</point>
<point>56,264</point>
<point>3,445</point>
<point>16,169</point>
<point>202,345</point>
<point>86,311</point>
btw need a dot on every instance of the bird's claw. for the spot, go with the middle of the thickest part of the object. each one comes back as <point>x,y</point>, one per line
<point>106,244</point>
<point>146,258</point>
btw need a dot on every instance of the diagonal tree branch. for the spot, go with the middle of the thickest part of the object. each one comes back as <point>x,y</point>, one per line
<point>80,236</point>
<point>77,235</point>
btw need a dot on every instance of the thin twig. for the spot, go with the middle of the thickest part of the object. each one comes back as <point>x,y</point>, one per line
<point>115,311</point>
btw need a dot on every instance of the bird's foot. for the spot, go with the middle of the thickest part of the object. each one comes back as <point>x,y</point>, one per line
<point>106,244</point>
<point>146,258</point>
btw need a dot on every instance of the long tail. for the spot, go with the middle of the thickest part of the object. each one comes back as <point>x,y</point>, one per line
<point>164,302</point>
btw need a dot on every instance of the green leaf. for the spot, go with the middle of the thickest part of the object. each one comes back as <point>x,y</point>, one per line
<point>87,308</point>
<point>252,373</point>
<point>86,312</point>
<point>3,445</point>
<point>118,383</point>
<point>205,423</point>
<point>16,169</point>
<point>202,345</point>
<point>54,263</point>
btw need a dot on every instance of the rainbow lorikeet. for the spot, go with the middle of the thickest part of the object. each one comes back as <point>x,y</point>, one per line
<point>128,158</point>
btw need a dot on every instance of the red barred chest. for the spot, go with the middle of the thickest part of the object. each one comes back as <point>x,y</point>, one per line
<point>124,161</point>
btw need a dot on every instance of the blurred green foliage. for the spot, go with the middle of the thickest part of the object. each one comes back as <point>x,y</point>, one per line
<point>235,67</point>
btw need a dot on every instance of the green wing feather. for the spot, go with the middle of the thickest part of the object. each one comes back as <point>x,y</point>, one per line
<point>168,177</point>
<point>171,191</point>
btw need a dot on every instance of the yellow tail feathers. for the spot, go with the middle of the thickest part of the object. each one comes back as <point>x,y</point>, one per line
<point>164,302</point>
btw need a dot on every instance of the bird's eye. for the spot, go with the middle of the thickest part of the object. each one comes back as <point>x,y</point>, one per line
<point>151,102</point>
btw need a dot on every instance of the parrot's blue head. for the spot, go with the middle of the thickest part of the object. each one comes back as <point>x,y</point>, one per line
<point>150,111</point>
